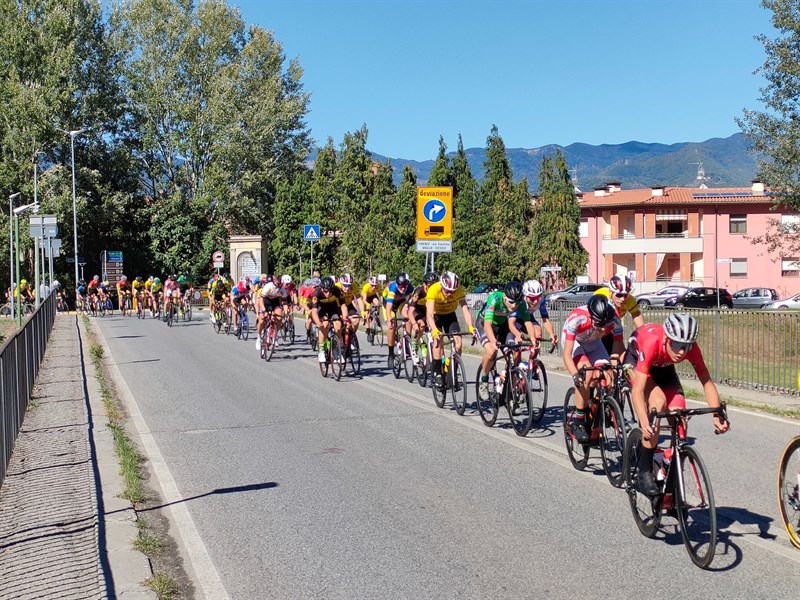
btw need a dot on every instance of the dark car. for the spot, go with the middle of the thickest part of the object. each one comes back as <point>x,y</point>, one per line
<point>756,297</point>
<point>580,292</point>
<point>477,297</point>
<point>701,297</point>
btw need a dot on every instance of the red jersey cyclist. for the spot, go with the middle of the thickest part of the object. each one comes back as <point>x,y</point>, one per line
<point>582,340</point>
<point>653,351</point>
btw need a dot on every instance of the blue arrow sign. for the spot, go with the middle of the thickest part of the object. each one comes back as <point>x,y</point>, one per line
<point>434,211</point>
<point>311,233</point>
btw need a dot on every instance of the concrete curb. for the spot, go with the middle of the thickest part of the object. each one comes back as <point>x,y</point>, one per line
<point>129,567</point>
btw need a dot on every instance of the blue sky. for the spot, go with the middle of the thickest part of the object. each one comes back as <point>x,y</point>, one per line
<point>545,72</point>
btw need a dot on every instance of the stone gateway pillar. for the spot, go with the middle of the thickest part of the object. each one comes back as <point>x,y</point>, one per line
<point>248,257</point>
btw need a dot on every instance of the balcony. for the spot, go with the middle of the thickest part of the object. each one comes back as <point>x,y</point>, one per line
<point>627,243</point>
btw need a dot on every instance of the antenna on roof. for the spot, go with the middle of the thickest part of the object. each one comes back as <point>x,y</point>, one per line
<point>574,171</point>
<point>701,175</point>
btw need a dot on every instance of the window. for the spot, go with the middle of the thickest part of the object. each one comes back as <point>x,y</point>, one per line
<point>790,267</point>
<point>790,223</point>
<point>738,223</point>
<point>738,267</point>
<point>583,228</point>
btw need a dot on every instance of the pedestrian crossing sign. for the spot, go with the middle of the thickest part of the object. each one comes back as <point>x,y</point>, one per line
<point>311,233</point>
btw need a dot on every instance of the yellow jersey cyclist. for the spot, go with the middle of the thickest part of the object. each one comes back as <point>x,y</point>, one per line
<point>156,288</point>
<point>394,297</point>
<point>327,305</point>
<point>417,311</point>
<point>442,300</point>
<point>138,291</point>
<point>345,284</point>
<point>619,293</point>
<point>371,294</point>
<point>220,289</point>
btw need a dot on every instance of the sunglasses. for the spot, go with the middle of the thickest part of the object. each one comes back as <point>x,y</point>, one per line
<point>679,346</point>
<point>621,294</point>
<point>532,298</point>
<point>597,325</point>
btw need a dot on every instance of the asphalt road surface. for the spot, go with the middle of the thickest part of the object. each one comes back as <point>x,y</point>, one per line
<point>285,485</point>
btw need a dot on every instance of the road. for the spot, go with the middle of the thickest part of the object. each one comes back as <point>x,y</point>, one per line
<point>364,489</point>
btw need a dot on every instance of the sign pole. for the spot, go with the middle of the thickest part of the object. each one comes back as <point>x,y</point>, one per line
<point>50,258</point>
<point>37,292</point>
<point>312,259</point>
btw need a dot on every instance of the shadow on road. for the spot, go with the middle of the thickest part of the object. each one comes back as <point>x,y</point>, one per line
<point>253,487</point>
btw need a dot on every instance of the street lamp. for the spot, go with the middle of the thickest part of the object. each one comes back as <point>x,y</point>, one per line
<point>72,135</point>
<point>11,199</point>
<point>17,212</point>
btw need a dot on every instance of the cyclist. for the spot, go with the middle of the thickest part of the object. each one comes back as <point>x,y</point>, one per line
<point>534,299</point>
<point>156,289</point>
<point>394,297</point>
<point>186,287</point>
<point>581,339</point>
<point>371,293</point>
<point>310,286</point>
<point>218,297</point>
<point>123,290</point>
<point>138,289</point>
<point>504,315</point>
<point>82,296</point>
<point>172,293</point>
<point>345,284</point>
<point>94,289</point>
<point>619,292</point>
<point>442,300</point>
<point>653,352</point>
<point>291,290</point>
<point>270,299</point>
<point>418,307</point>
<point>327,304</point>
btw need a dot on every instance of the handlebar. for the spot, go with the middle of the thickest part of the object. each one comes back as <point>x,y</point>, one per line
<point>720,411</point>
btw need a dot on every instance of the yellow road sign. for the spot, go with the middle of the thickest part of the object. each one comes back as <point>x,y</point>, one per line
<point>434,213</point>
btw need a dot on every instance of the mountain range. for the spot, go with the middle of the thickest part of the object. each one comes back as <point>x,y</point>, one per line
<point>726,162</point>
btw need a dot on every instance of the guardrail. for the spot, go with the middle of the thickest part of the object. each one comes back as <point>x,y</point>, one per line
<point>756,349</point>
<point>20,358</point>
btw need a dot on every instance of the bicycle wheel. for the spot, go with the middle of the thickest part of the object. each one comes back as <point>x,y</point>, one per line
<point>626,406</point>
<point>458,384</point>
<point>612,444</point>
<point>272,336</point>
<point>646,509</point>
<point>244,325</point>
<point>487,408</point>
<point>187,312</point>
<point>102,309</point>
<point>397,363</point>
<point>537,385</point>
<point>290,329</point>
<point>519,402</point>
<point>697,514</point>
<point>439,387</point>
<point>218,321</point>
<point>354,356</point>
<point>170,316</point>
<point>424,367</point>
<point>408,360</point>
<point>789,490</point>
<point>337,358</point>
<point>379,336</point>
<point>578,453</point>
<point>228,321</point>
<point>122,308</point>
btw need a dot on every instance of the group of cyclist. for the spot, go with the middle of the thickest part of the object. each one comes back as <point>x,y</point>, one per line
<point>138,295</point>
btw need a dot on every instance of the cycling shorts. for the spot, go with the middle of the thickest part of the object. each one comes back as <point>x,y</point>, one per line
<point>447,322</point>
<point>329,310</point>
<point>502,333</point>
<point>664,377</point>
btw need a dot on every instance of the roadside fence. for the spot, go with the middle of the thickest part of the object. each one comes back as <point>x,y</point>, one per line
<point>20,358</point>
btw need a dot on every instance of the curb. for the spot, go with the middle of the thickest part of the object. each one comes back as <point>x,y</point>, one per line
<point>129,567</point>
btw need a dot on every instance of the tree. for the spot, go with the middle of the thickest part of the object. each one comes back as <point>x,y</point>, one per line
<point>441,172</point>
<point>496,193</point>
<point>775,133</point>
<point>556,219</point>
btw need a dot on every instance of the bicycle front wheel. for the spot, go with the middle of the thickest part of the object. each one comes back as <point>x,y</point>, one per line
<point>537,385</point>
<point>612,446</point>
<point>244,324</point>
<point>379,339</point>
<point>397,361</point>
<point>187,312</point>
<point>337,358</point>
<point>789,490</point>
<point>578,453</point>
<point>458,384</point>
<point>697,514</point>
<point>519,402</point>
<point>646,509</point>
<point>424,367</point>
<point>439,386</point>
<point>354,356</point>
<point>487,408</point>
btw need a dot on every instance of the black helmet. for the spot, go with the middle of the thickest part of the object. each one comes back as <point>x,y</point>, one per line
<point>601,310</point>
<point>402,279</point>
<point>431,277</point>
<point>326,283</point>
<point>513,292</point>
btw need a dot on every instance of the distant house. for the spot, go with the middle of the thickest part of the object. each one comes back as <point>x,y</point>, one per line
<point>689,236</point>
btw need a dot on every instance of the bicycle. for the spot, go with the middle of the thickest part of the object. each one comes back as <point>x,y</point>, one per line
<point>453,377</point>
<point>374,327</point>
<point>228,311</point>
<point>186,306</point>
<point>604,423</point>
<point>334,358</point>
<point>125,306</point>
<point>171,315</point>
<point>402,349</point>
<point>312,335</point>
<point>423,365</point>
<point>352,350</point>
<point>269,336</point>
<point>287,327</point>
<point>684,492</point>
<point>61,305</point>
<point>244,323</point>
<point>789,490</point>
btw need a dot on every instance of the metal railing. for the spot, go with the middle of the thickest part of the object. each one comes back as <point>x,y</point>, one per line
<point>20,358</point>
<point>756,349</point>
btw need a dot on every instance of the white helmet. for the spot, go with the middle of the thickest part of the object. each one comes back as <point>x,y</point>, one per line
<point>681,327</point>
<point>346,280</point>
<point>449,281</point>
<point>532,289</point>
<point>286,279</point>
<point>373,281</point>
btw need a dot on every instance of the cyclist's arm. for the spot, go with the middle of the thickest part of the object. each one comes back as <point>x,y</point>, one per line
<point>569,363</point>
<point>639,402</point>
<point>467,315</point>
<point>638,319</point>
<point>430,306</point>
<point>548,326</point>
<point>529,329</point>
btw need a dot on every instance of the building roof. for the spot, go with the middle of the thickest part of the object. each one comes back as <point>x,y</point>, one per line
<point>675,196</point>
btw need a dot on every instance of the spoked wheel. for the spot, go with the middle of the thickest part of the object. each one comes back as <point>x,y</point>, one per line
<point>537,386</point>
<point>354,356</point>
<point>337,356</point>
<point>324,366</point>
<point>612,446</point>
<point>289,330</point>
<point>228,319</point>
<point>439,387</point>
<point>697,513</point>
<point>458,384</point>
<point>244,327</point>
<point>789,490</point>
<point>519,402</point>
<point>397,362</point>
<point>646,509</point>
<point>379,335</point>
<point>578,453</point>
<point>170,316</point>
<point>270,342</point>
<point>313,338</point>
<point>218,322</point>
<point>487,408</point>
<point>424,367</point>
<point>626,406</point>
<point>410,368</point>
<point>187,312</point>
<point>102,309</point>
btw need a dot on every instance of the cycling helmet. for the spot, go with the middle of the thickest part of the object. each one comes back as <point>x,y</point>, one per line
<point>431,277</point>
<point>346,280</point>
<point>226,275</point>
<point>277,281</point>
<point>681,327</point>
<point>620,285</point>
<point>246,279</point>
<point>124,278</point>
<point>241,287</point>
<point>186,273</point>
<point>286,279</point>
<point>96,277</point>
<point>532,289</point>
<point>173,277</point>
<point>513,292</point>
<point>326,283</point>
<point>402,279</point>
<point>156,280</point>
<point>601,310</point>
<point>449,281</point>
<point>316,282</point>
<point>24,282</point>
<point>138,280</point>
<point>373,281</point>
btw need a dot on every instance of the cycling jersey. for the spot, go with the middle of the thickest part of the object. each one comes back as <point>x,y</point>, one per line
<point>272,291</point>
<point>441,304</point>
<point>393,295</point>
<point>138,286</point>
<point>651,344</point>
<point>370,292</point>
<point>496,311</point>
<point>578,327</point>
<point>148,285</point>
<point>419,298</point>
<point>156,287</point>
<point>629,304</point>
<point>348,295</point>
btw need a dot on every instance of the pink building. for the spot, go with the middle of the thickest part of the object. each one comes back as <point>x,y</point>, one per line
<point>688,236</point>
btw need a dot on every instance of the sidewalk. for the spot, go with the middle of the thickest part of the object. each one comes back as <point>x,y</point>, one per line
<point>62,534</point>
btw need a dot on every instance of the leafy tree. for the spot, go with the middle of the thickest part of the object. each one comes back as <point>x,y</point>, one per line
<point>775,133</point>
<point>496,193</point>
<point>322,209</point>
<point>441,173</point>
<point>556,220</point>
<point>289,215</point>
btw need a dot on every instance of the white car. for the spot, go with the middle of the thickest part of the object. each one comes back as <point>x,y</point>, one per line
<point>658,298</point>
<point>791,302</point>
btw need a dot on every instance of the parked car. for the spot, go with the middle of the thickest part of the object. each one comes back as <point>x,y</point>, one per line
<point>477,297</point>
<point>790,302</point>
<point>701,297</point>
<point>756,297</point>
<point>580,292</point>
<point>658,298</point>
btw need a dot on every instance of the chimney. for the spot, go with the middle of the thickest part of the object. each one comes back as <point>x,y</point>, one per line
<point>657,190</point>
<point>600,191</point>
<point>613,186</point>
<point>758,187</point>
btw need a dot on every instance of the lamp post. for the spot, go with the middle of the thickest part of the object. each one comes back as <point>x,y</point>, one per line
<point>72,135</point>
<point>11,199</point>
<point>17,212</point>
